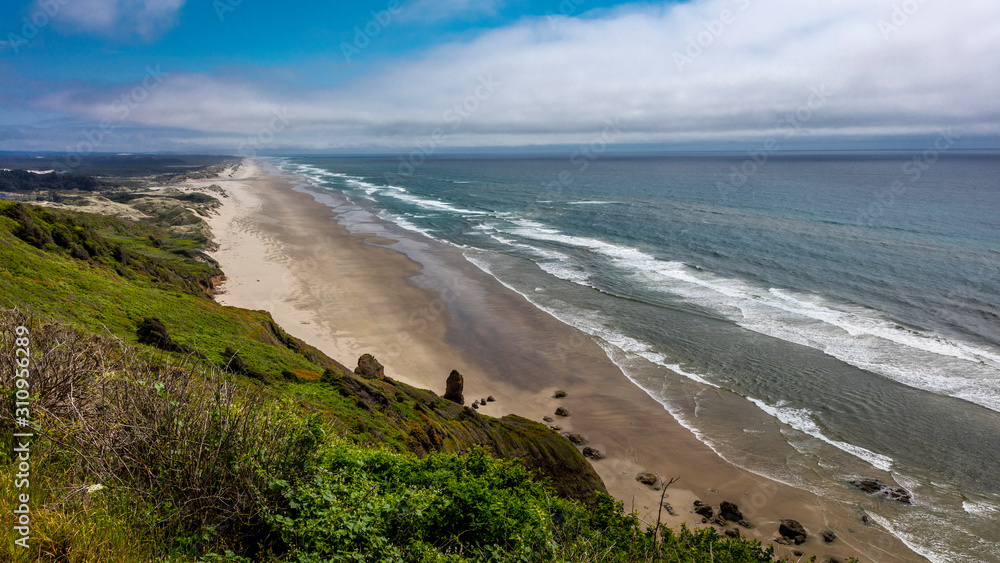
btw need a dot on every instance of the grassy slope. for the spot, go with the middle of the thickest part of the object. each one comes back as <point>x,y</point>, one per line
<point>105,294</point>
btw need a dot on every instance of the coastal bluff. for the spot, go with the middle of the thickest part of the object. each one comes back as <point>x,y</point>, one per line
<point>430,423</point>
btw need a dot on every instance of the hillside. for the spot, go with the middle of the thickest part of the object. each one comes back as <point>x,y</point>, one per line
<point>174,428</point>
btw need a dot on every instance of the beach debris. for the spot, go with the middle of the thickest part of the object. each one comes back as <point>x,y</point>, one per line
<point>369,368</point>
<point>792,531</point>
<point>562,411</point>
<point>828,535</point>
<point>703,509</point>
<point>720,521</point>
<point>669,508</point>
<point>647,478</point>
<point>592,453</point>
<point>576,438</point>
<point>559,394</point>
<point>730,511</point>
<point>455,387</point>
<point>797,553</point>
<point>876,487</point>
<point>490,399</point>
<point>547,418</point>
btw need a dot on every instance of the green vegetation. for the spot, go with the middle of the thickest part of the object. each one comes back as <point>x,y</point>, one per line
<point>123,166</point>
<point>24,181</point>
<point>172,428</point>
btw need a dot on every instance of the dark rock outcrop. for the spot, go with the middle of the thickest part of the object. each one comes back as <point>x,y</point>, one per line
<point>559,394</point>
<point>576,439</point>
<point>647,478</point>
<point>490,399</point>
<point>733,532</point>
<point>730,511</point>
<point>562,411</point>
<point>455,388</point>
<point>828,535</point>
<point>592,453</point>
<point>369,368</point>
<point>703,509</point>
<point>876,487</point>
<point>793,531</point>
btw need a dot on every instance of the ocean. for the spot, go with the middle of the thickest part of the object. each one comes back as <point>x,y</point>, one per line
<point>812,317</point>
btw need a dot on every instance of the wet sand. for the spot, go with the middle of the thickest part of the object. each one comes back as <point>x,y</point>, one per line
<point>423,310</point>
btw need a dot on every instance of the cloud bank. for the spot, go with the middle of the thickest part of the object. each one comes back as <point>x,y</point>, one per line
<point>700,72</point>
<point>146,19</point>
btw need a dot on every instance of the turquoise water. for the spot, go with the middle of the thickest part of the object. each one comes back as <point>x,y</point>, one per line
<point>813,318</point>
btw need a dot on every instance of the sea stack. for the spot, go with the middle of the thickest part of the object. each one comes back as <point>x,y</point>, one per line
<point>456,385</point>
<point>369,368</point>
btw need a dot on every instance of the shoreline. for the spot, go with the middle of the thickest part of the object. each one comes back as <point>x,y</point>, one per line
<point>422,309</point>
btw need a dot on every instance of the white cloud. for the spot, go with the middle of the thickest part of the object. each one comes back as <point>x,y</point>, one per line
<point>146,19</point>
<point>820,70</point>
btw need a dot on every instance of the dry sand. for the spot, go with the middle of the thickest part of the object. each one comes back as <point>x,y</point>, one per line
<point>349,294</point>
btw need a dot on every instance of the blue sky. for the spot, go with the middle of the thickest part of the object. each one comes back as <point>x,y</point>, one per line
<point>388,75</point>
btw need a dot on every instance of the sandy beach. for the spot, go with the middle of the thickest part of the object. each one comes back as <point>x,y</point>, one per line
<point>423,310</point>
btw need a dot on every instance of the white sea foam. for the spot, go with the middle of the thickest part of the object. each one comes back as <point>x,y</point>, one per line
<point>858,336</point>
<point>981,509</point>
<point>803,421</point>
<point>400,221</point>
<point>431,204</point>
<point>553,263</point>
<point>936,538</point>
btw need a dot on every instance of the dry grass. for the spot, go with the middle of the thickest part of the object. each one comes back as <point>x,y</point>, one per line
<point>189,445</point>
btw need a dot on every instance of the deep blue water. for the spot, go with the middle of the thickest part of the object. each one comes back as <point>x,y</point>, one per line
<point>845,307</point>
